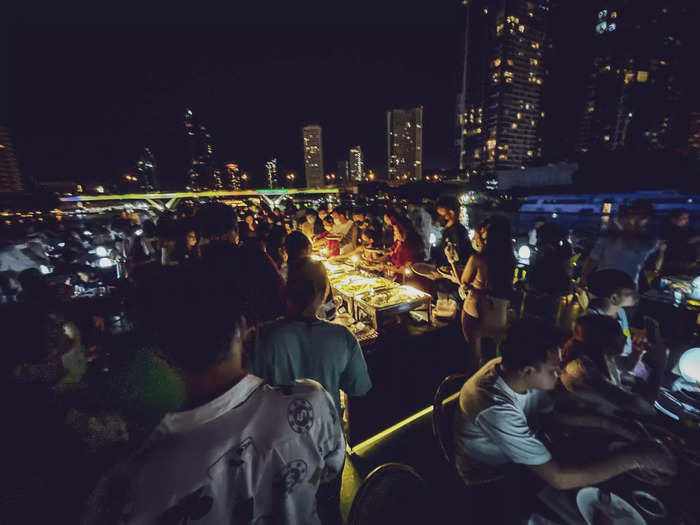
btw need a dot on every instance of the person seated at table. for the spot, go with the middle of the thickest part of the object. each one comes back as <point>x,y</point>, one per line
<point>613,291</point>
<point>590,368</point>
<point>240,451</point>
<point>495,423</point>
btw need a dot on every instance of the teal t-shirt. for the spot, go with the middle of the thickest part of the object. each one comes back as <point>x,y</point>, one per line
<point>319,350</point>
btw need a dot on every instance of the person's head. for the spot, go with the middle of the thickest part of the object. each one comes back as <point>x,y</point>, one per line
<point>190,239</point>
<point>613,286</point>
<point>149,228</point>
<point>340,214</point>
<point>328,222</point>
<point>217,222</point>
<point>311,215</point>
<point>531,353</point>
<point>322,213</point>
<point>297,246</point>
<point>448,208</point>
<point>275,244</point>
<point>195,314</point>
<point>277,212</point>
<point>549,234</point>
<point>595,337</point>
<point>370,237</point>
<point>249,219</point>
<point>306,290</point>
<point>358,215</point>
<point>680,218</point>
<point>635,217</point>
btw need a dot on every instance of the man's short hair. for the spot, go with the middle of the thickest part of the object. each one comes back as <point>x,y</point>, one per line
<point>305,283</point>
<point>605,283</point>
<point>216,219</point>
<point>191,313</point>
<point>448,202</point>
<point>311,211</point>
<point>529,343</point>
<point>341,210</point>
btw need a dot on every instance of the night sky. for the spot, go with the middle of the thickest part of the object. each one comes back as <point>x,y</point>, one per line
<point>84,99</point>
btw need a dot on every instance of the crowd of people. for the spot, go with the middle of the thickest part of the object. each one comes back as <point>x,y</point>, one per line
<point>236,414</point>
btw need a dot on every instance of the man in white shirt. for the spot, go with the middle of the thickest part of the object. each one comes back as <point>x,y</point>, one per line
<point>494,426</point>
<point>240,451</point>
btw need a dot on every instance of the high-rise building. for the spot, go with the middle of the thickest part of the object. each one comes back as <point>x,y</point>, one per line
<point>356,165</point>
<point>146,171</point>
<point>233,176</point>
<point>313,155</point>
<point>10,178</point>
<point>404,139</point>
<point>202,174</point>
<point>634,98</point>
<point>271,168</point>
<point>499,108</point>
<point>343,171</point>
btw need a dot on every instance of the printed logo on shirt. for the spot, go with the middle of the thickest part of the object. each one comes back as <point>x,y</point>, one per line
<point>300,415</point>
<point>291,475</point>
<point>233,456</point>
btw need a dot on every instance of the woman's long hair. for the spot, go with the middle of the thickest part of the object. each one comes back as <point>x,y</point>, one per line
<point>499,256</point>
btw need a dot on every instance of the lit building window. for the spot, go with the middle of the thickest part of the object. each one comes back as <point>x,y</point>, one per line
<point>514,125</point>
<point>642,76</point>
<point>497,62</point>
<point>491,144</point>
<point>509,62</point>
<point>521,28</point>
<point>591,108</point>
<point>530,153</point>
<point>486,10</point>
<point>534,61</point>
<point>613,14</point>
<point>606,138</point>
<point>519,115</point>
<point>535,45</point>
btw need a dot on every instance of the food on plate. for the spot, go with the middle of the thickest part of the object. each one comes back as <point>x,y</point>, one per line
<point>400,294</point>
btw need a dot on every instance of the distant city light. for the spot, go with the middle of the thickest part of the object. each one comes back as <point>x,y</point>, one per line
<point>101,251</point>
<point>105,262</point>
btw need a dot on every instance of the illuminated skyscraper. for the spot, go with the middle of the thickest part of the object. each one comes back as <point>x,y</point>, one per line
<point>634,97</point>
<point>147,171</point>
<point>313,155</point>
<point>271,168</point>
<point>356,165</point>
<point>202,174</point>
<point>499,109</point>
<point>10,178</point>
<point>404,138</point>
<point>233,177</point>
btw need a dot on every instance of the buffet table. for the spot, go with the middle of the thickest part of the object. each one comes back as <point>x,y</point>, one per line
<point>372,301</point>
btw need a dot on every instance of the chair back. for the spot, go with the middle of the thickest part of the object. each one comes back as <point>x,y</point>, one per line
<point>444,413</point>
<point>391,493</point>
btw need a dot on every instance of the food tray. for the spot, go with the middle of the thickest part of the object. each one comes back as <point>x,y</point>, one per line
<point>345,286</point>
<point>367,308</point>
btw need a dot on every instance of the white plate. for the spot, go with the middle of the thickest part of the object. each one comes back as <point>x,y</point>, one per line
<point>619,511</point>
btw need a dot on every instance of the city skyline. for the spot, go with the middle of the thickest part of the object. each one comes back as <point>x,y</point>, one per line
<point>119,96</point>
